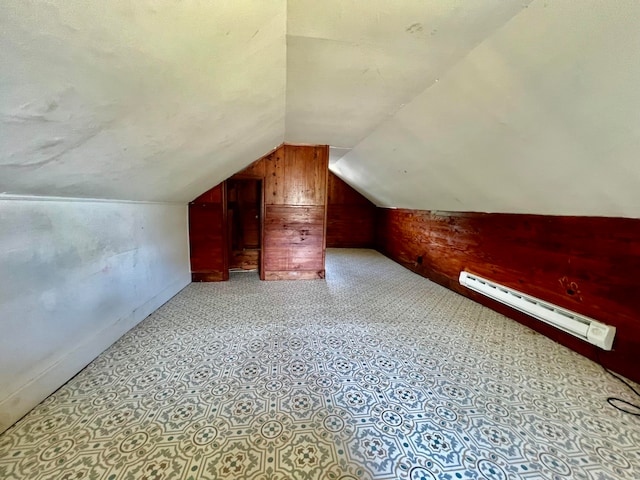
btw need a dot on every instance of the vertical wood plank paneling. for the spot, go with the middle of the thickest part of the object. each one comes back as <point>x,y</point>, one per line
<point>207,236</point>
<point>590,265</point>
<point>274,179</point>
<point>350,216</point>
<point>255,170</point>
<point>211,196</point>
<point>244,199</point>
<point>305,176</point>
<point>323,152</point>
<point>295,215</point>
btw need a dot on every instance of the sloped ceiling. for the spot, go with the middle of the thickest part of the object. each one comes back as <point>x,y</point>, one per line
<point>137,99</point>
<point>353,64</point>
<point>542,117</point>
<point>467,105</point>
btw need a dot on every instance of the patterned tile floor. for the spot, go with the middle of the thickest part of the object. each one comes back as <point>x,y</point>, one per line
<point>375,373</point>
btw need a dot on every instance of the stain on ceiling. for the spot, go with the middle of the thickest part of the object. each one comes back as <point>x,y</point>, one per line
<point>460,105</point>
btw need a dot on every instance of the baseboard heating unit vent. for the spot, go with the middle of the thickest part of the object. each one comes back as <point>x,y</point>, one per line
<point>578,325</point>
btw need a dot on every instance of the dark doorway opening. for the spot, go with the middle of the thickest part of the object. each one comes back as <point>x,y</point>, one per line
<point>244,220</point>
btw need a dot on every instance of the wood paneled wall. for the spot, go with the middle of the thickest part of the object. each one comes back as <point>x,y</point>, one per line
<point>295,193</point>
<point>207,236</point>
<point>244,198</point>
<point>350,216</point>
<point>590,265</point>
<point>295,217</point>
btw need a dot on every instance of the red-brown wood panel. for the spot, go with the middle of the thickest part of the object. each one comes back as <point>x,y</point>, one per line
<point>248,259</point>
<point>205,233</point>
<point>350,226</point>
<point>207,236</point>
<point>350,216</point>
<point>296,175</point>
<point>293,238</point>
<point>341,193</point>
<point>295,213</point>
<point>211,196</point>
<point>590,265</point>
<point>305,175</point>
<point>274,181</point>
<point>244,199</point>
<point>295,198</point>
<point>255,170</point>
<point>295,275</point>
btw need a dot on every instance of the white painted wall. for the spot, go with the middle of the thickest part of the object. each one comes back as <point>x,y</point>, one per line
<point>75,276</point>
<point>524,106</point>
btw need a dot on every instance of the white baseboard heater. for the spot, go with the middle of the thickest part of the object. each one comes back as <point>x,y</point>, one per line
<point>578,325</point>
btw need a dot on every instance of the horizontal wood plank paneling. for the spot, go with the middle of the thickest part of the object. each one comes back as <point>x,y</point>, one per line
<point>293,238</point>
<point>590,265</point>
<point>287,259</point>
<point>247,259</point>
<point>350,226</point>
<point>295,213</point>
<point>350,216</point>
<point>296,275</point>
<point>294,233</point>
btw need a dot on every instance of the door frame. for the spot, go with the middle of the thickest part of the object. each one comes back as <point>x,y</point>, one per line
<point>260,179</point>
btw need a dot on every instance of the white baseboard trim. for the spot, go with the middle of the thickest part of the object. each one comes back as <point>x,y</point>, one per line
<point>17,404</point>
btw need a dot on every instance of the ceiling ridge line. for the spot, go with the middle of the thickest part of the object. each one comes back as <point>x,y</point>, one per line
<point>454,64</point>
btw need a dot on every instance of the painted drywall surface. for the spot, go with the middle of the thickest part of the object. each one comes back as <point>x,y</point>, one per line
<point>484,105</point>
<point>336,153</point>
<point>137,99</point>
<point>75,276</point>
<point>353,64</point>
<point>159,100</point>
<point>542,117</point>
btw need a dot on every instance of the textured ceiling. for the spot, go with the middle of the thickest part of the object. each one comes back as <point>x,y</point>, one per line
<point>353,64</point>
<point>476,105</point>
<point>137,99</point>
<point>542,117</point>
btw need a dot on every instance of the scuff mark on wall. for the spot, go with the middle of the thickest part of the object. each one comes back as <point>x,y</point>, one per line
<point>79,273</point>
<point>414,28</point>
<point>43,148</point>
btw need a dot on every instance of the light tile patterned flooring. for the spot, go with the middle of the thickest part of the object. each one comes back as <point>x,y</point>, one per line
<point>373,373</point>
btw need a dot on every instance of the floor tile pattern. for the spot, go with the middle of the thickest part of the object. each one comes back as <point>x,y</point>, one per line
<point>375,373</point>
